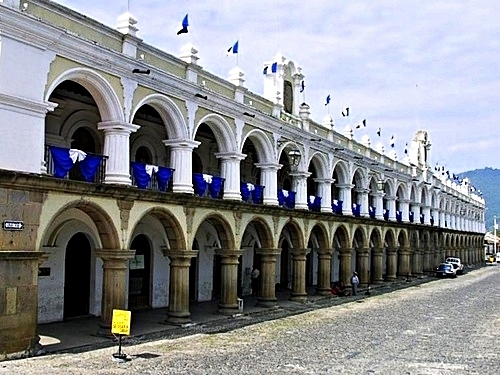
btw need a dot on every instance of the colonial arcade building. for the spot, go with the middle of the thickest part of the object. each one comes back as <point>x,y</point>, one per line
<point>131,178</point>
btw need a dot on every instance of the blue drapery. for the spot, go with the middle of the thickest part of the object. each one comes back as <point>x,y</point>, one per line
<point>422,218</point>
<point>356,209</point>
<point>215,187</point>
<point>411,216</point>
<point>372,210</point>
<point>257,194</point>
<point>199,184</point>
<point>163,176</point>
<point>63,163</point>
<point>337,206</point>
<point>245,191</point>
<point>386,215</point>
<point>399,216</point>
<point>142,177</point>
<point>314,203</point>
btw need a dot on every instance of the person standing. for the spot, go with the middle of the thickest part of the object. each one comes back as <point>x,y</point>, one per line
<point>255,280</point>
<point>354,283</point>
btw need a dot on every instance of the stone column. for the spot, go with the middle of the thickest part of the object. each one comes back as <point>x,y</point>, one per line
<point>267,285</point>
<point>325,192</point>
<point>391,206</point>
<point>377,265</point>
<point>392,259</point>
<point>115,264</point>
<point>363,199</point>
<point>324,271</point>
<point>379,205</point>
<point>181,159</point>
<point>415,208</point>
<point>416,265</point>
<point>404,205</point>
<point>427,259</point>
<point>117,148</point>
<point>230,171</point>
<point>300,187</point>
<point>299,292</point>
<point>345,197</point>
<point>19,302</point>
<point>404,262</point>
<point>363,265</point>
<point>426,210</point>
<point>228,303</point>
<point>178,298</point>
<point>269,179</point>
<point>345,270</point>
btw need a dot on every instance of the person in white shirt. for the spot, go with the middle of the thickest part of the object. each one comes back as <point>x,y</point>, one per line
<point>255,280</point>
<point>354,283</point>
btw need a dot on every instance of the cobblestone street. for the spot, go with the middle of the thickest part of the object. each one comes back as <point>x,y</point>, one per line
<point>440,327</point>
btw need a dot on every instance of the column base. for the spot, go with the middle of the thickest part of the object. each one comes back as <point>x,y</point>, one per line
<point>378,281</point>
<point>178,319</point>
<point>391,278</point>
<point>299,298</point>
<point>323,292</point>
<point>104,330</point>
<point>267,302</point>
<point>228,309</point>
<point>182,188</point>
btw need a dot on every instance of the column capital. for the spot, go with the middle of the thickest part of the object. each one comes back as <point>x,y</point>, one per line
<point>345,250</point>
<point>363,250</point>
<point>230,156</point>
<point>179,254</point>
<point>300,174</point>
<point>268,166</point>
<point>181,143</point>
<point>345,186</point>
<point>268,252</point>
<point>117,126</point>
<point>392,250</point>
<point>326,251</point>
<point>324,180</point>
<point>299,252</point>
<point>229,253</point>
<point>112,254</point>
<point>378,250</point>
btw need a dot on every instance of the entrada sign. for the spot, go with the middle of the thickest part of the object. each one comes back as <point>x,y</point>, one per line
<point>12,225</point>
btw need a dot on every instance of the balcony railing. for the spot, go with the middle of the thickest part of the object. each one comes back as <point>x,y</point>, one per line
<point>286,198</point>
<point>74,164</point>
<point>251,193</point>
<point>151,177</point>
<point>206,185</point>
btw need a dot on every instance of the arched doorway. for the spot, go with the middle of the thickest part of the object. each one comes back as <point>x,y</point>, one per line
<point>139,274</point>
<point>77,277</point>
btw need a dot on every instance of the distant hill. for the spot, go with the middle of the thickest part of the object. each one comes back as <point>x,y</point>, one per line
<point>487,180</point>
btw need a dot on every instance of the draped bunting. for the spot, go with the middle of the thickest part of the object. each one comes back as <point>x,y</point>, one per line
<point>203,181</point>
<point>422,218</point>
<point>356,209</point>
<point>337,206</point>
<point>399,216</point>
<point>411,216</point>
<point>286,198</point>
<point>386,214</point>
<point>258,194</point>
<point>64,160</point>
<point>432,220</point>
<point>251,192</point>
<point>372,210</point>
<point>245,191</point>
<point>314,203</point>
<point>144,172</point>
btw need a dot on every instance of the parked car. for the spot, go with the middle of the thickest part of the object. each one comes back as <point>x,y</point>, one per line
<point>458,262</point>
<point>445,270</point>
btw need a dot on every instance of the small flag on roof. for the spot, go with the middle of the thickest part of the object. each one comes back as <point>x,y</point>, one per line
<point>185,25</point>
<point>327,100</point>
<point>345,112</point>
<point>233,48</point>
<point>302,86</point>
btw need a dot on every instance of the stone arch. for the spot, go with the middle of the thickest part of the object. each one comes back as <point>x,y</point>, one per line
<point>342,172</point>
<point>375,238</point>
<point>320,163</point>
<point>92,215</point>
<point>105,97</point>
<point>341,237</point>
<point>359,178</point>
<point>403,239</point>
<point>359,238</point>
<point>321,233</point>
<point>402,191</point>
<point>262,145</point>
<point>390,238</point>
<point>169,112</point>
<point>293,234</point>
<point>223,133</point>
<point>221,227</point>
<point>81,119</point>
<point>262,231</point>
<point>389,188</point>
<point>173,230</point>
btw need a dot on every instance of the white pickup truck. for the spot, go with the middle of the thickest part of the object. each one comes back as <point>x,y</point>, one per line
<point>459,266</point>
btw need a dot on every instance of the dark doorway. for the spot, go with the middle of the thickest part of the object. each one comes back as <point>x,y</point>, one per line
<point>309,268</point>
<point>77,277</point>
<point>192,280</point>
<point>139,274</point>
<point>284,266</point>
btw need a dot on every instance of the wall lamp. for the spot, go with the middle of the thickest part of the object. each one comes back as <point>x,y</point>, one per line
<point>141,71</point>
<point>380,185</point>
<point>315,139</point>
<point>201,96</point>
<point>339,149</point>
<point>294,156</point>
<point>249,114</point>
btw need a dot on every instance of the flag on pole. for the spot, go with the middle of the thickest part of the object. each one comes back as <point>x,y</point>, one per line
<point>327,100</point>
<point>302,86</point>
<point>233,48</point>
<point>392,141</point>
<point>265,70</point>
<point>406,148</point>
<point>379,131</point>
<point>274,67</point>
<point>185,25</point>
<point>345,112</point>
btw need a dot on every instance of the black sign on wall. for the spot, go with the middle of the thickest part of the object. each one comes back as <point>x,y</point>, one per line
<point>12,225</point>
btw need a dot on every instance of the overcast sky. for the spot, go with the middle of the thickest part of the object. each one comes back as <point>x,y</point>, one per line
<point>401,65</point>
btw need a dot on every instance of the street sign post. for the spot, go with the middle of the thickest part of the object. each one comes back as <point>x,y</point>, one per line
<point>120,325</point>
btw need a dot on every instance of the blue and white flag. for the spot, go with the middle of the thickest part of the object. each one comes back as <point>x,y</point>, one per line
<point>327,100</point>
<point>185,25</point>
<point>233,49</point>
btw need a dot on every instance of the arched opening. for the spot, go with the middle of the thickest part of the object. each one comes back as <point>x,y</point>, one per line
<point>77,277</point>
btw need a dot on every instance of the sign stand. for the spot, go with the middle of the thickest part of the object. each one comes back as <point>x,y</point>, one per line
<point>120,325</point>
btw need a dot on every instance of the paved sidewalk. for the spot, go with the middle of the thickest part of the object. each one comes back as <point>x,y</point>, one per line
<point>81,334</point>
